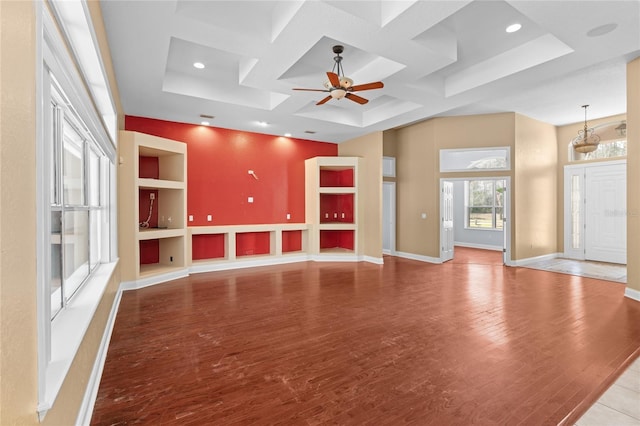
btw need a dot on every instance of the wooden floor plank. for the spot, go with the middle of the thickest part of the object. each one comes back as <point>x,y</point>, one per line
<point>467,342</point>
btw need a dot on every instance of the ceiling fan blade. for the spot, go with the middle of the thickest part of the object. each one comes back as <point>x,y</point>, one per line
<point>368,86</point>
<point>311,90</point>
<point>324,100</point>
<point>333,79</point>
<point>356,98</point>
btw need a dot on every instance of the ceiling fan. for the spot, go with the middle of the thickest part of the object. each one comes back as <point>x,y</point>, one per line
<point>338,86</point>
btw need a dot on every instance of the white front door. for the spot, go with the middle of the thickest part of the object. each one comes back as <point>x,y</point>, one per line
<point>388,217</point>
<point>446,217</point>
<point>605,217</point>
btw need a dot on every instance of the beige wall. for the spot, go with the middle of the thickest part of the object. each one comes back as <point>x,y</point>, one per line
<point>564,135</point>
<point>534,189</point>
<point>369,147</point>
<point>18,310</point>
<point>415,172</point>
<point>533,178</point>
<point>633,174</point>
<point>418,171</point>
<point>18,332</point>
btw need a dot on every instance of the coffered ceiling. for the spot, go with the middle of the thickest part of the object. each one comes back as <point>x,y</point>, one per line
<point>436,58</point>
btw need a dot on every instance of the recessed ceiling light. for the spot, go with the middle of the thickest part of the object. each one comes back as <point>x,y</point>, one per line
<point>262,123</point>
<point>287,135</point>
<point>204,123</point>
<point>513,28</point>
<point>198,65</point>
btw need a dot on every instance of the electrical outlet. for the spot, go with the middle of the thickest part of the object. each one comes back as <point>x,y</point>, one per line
<point>250,199</point>
<point>208,218</point>
<point>152,196</point>
<point>288,216</point>
<point>190,218</point>
<point>170,258</point>
<point>343,215</point>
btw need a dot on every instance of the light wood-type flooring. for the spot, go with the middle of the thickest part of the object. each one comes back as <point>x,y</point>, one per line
<point>469,342</point>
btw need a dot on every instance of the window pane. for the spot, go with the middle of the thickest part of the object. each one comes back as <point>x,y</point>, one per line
<point>481,193</point>
<point>499,217</point>
<point>480,217</point>
<point>73,182</point>
<point>55,282</point>
<point>76,250</point>
<point>94,181</point>
<point>54,163</point>
<point>95,238</point>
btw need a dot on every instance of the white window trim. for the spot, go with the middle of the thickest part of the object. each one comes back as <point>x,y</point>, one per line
<point>59,340</point>
<point>447,167</point>
<point>466,205</point>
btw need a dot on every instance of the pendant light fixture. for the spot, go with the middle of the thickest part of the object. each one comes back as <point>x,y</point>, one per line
<point>587,140</point>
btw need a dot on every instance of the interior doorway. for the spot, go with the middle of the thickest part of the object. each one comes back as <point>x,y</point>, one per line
<point>455,213</point>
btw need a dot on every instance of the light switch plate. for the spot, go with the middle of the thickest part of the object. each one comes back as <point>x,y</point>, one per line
<point>250,199</point>
<point>190,218</point>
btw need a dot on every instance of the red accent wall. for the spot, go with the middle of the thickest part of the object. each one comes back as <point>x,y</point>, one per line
<point>207,246</point>
<point>149,251</point>
<point>336,178</point>
<point>291,241</point>
<point>336,238</point>
<point>250,243</point>
<point>148,167</point>
<point>334,205</point>
<point>218,161</point>
<point>218,182</point>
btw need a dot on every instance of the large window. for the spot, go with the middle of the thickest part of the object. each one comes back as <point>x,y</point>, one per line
<point>485,204</point>
<point>76,175</point>
<point>76,195</point>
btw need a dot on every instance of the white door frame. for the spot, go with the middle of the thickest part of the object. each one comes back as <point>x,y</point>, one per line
<point>392,212</point>
<point>507,214</point>
<point>445,253</point>
<point>580,170</point>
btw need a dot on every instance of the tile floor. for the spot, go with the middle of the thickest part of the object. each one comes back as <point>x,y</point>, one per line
<point>599,270</point>
<point>620,404</point>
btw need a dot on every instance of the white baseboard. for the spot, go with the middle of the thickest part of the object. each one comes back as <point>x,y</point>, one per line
<point>632,293</point>
<point>478,246</point>
<point>529,260</point>
<point>156,279</point>
<point>376,260</point>
<point>249,263</point>
<point>419,257</point>
<point>91,392</point>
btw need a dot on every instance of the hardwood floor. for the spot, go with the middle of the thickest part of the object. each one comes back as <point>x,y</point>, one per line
<point>467,342</point>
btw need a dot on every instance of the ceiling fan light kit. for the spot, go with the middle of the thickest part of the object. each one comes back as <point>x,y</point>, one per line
<point>338,86</point>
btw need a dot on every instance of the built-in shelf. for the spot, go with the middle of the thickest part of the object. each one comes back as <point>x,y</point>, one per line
<point>245,245</point>
<point>152,185</point>
<point>332,205</point>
